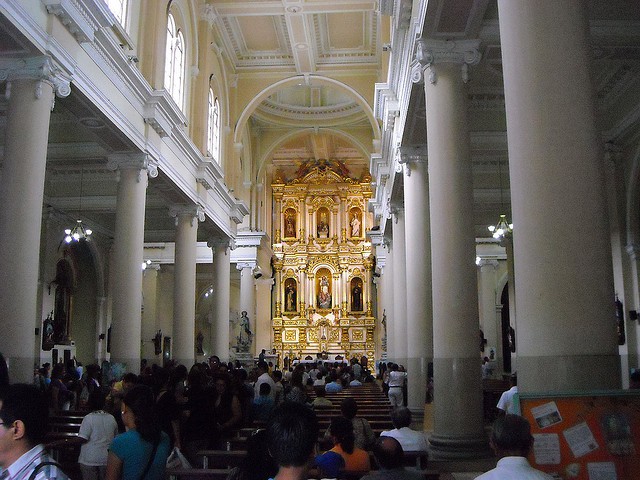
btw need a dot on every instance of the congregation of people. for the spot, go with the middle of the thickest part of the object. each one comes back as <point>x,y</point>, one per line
<point>130,427</point>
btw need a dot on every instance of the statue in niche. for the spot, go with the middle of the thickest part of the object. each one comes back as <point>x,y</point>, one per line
<point>356,296</point>
<point>324,295</point>
<point>290,296</point>
<point>323,225</point>
<point>62,302</point>
<point>289,223</point>
<point>245,338</point>
<point>157,342</point>
<point>47,333</point>
<point>199,340</point>
<point>355,225</point>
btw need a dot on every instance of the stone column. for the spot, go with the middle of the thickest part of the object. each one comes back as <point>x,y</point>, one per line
<point>184,288</point>
<point>127,256</point>
<point>566,335</point>
<point>458,426</point>
<point>388,303</point>
<point>31,85</point>
<point>101,329</point>
<point>248,298</point>
<point>263,331</point>
<point>489,322</point>
<point>399,290</point>
<point>419,327</point>
<point>221,292</point>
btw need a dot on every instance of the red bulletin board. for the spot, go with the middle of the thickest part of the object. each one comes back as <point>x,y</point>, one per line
<point>586,436</point>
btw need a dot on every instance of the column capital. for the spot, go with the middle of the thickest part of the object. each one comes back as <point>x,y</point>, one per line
<point>432,52</point>
<point>41,69</point>
<point>224,242</point>
<point>488,262</point>
<point>193,211</point>
<point>141,161</point>
<point>407,156</point>
<point>245,264</point>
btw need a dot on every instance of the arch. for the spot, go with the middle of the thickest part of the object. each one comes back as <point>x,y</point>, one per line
<point>320,80</point>
<point>262,162</point>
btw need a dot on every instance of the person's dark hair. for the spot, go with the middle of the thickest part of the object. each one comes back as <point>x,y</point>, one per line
<point>96,400</point>
<point>258,463</point>
<point>292,432</point>
<point>58,371</point>
<point>388,452</point>
<point>28,404</point>
<point>265,388</point>
<point>342,429</point>
<point>320,391</point>
<point>140,400</point>
<point>262,365</point>
<point>130,378</point>
<point>349,408</point>
<point>401,417</point>
<point>296,380</point>
<point>512,433</point>
<point>277,375</point>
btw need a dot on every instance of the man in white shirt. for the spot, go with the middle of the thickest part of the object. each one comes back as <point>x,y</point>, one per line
<point>410,440</point>
<point>508,400</point>
<point>511,440</point>
<point>396,384</point>
<point>24,414</point>
<point>264,377</point>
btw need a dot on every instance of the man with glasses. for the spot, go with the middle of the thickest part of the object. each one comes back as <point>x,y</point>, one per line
<point>24,415</point>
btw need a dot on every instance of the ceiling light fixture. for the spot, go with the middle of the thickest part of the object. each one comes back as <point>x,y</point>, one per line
<point>78,232</point>
<point>503,228</point>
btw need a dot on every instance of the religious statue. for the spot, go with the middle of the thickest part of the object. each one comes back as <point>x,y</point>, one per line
<point>289,225</point>
<point>157,342</point>
<point>324,296</point>
<point>355,226</point>
<point>245,337</point>
<point>356,297</point>
<point>323,226</point>
<point>47,333</point>
<point>384,322</point>
<point>62,302</point>
<point>290,298</point>
<point>199,340</point>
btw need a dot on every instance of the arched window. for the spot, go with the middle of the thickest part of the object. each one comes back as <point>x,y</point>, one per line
<point>213,120</point>
<point>119,10</point>
<point>174,63</point>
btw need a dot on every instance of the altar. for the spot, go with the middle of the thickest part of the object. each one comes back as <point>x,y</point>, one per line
<point>323,263</point>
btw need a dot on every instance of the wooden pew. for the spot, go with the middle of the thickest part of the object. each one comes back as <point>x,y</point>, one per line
<point>196,473</point>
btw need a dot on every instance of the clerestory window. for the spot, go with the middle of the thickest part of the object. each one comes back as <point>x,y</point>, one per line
<point>174,63</point>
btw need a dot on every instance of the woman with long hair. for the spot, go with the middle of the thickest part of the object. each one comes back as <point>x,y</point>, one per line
<point>258,464</point>
<point>141,452</point>
<point>365,438</point>
<point>226,405</point>
<point>344,456</point>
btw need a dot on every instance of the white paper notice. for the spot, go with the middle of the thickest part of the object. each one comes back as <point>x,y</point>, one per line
<point>546,448</point>
<point>546,414</point>
<point>602,471</point>
<point>580,439</point>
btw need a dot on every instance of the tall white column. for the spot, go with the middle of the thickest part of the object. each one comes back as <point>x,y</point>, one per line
<point>101,329</point>
<point>184,288</point>
<point>387,291</point>
<point>399,291</point>
<point>263,331</point>
<point>248,298</point>
<point>458,426</point>
<point>127,256</point>
<point>564,280</point>
<point>419,328</point>
<point>31,85</point>
<point>221,292</point>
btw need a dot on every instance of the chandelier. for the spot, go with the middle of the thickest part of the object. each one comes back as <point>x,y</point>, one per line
<point>78,232</point>
<point>503,228</point>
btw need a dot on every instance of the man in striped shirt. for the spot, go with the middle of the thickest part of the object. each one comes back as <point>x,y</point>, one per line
<point>24,415</point>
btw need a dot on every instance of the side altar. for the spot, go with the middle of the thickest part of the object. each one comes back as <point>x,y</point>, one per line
<point>323,263</point>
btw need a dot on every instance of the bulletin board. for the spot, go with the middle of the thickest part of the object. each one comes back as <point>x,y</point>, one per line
<point>591,436</point>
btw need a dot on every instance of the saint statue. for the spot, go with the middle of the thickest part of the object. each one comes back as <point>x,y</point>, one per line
<point>290,298</point>
<point>324,296</point>
<point>356,297</point>
<point>355,226</point>
<point>290,227</point>
<point>199,340</point>
<point>323,226</point>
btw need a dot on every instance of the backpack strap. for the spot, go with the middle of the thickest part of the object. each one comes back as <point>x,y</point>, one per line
<point>39,467</point>
<point>151,458</point>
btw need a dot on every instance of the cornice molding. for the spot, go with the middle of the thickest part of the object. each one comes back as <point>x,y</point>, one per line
<point>81,17</point>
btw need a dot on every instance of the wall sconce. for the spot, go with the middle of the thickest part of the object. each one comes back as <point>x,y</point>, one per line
<point>101,336</point>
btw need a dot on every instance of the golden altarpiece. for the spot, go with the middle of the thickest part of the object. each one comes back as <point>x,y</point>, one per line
<point>323,263</point>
